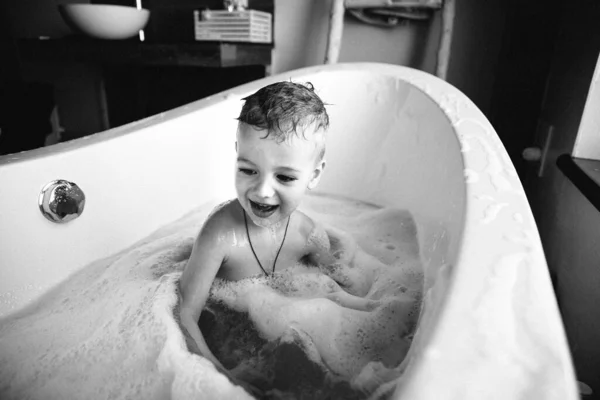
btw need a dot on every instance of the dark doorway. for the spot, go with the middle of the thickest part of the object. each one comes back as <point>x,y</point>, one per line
<point>523,66</point>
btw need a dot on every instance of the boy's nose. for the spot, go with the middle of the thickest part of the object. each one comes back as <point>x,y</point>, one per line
<point>265,189</point>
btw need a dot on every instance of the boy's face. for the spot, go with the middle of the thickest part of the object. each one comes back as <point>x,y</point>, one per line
<point>272,176</point>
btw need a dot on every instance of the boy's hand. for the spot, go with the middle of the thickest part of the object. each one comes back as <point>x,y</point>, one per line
<point>348,300</point>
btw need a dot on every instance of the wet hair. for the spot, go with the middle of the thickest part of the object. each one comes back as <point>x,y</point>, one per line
<point>283,109</point>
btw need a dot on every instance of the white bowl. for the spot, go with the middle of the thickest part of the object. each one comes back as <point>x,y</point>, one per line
<point>105,21</point>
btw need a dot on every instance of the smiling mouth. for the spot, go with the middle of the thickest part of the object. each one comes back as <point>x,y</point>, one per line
<point>262,210</point>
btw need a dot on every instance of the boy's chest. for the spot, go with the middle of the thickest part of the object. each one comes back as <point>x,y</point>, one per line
<point>261,256</point>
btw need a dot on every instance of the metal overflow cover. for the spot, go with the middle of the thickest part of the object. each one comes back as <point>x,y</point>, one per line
<point>61,201</point>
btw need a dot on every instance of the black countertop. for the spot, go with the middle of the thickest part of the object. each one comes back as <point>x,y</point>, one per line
<point>196,54</point>
<point>585,175</point>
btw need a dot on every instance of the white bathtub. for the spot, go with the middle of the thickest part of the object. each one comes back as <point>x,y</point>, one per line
<point>490,327</point>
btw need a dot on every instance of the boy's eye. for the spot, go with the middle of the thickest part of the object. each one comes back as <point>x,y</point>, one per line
<point>286,178</point>
<point>247,171</point>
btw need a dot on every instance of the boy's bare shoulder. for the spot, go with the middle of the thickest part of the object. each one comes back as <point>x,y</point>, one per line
<point>221,220</point>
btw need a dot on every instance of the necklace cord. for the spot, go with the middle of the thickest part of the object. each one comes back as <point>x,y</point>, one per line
<point>252,247</point>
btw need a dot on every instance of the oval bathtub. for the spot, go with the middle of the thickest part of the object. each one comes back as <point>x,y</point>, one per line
<point>489,326</point>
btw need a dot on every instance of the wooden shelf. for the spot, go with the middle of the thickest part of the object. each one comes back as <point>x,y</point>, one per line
<point>192,54</point>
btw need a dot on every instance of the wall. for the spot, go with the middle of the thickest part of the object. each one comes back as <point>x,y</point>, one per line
<point>301,29</point>
<point>77,89</point>
<point>569,226</point>
<point>76,86</point>
<point>35,18</point>
<point>587,144</point>
<point>573,249</point>
<point>521,76</point>
<point>476,43</point>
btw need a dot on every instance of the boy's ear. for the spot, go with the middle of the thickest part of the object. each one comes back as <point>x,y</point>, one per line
<point>316,177</point>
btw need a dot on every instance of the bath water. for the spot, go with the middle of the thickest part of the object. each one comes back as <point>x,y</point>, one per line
<point>111,330</point>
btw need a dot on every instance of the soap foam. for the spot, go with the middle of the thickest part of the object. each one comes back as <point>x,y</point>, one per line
<point>112,329</point>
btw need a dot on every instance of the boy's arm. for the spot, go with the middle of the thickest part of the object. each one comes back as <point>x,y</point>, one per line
<point>197,278</point>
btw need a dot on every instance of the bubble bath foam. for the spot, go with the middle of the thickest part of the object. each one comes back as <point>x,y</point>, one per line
<point>111,330</point>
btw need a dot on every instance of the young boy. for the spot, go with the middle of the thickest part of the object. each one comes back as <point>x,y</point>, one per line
<point>280,146</point>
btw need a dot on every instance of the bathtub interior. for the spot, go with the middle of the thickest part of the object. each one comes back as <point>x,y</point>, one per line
<point>389,144</point>
<point>392,145</point>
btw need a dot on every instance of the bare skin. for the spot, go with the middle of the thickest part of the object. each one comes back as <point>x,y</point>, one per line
<point>272,178</point>
<point>222,251</point>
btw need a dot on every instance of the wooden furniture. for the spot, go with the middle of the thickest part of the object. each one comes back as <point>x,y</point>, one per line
<point>134,52</point>
<point>336,24</point>
<point>140,79</point>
